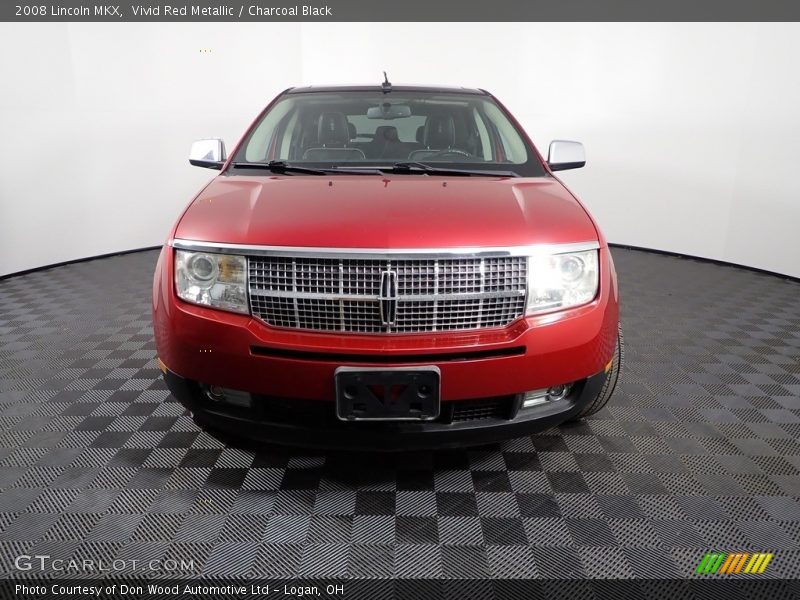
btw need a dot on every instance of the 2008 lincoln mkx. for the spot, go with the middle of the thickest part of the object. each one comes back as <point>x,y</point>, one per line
<point>386,267</point>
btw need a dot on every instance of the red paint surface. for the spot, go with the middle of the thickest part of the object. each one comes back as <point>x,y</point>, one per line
<point>400,211</point>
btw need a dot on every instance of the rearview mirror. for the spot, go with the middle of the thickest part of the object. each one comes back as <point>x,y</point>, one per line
<point>389,111</point>
<point>564,155</point>
<point>208,153</point>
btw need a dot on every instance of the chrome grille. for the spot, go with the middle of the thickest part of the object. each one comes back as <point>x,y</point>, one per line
<point>348,294</point>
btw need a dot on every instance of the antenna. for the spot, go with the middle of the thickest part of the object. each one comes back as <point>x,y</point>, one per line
<point>386,85</point>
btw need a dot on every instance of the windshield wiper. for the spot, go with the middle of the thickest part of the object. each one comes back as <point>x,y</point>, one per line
<point>419,167</point>
<point>278,166</point>
<point>281,166</point>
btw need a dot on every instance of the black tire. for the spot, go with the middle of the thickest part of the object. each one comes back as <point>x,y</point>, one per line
<point>610,384</point>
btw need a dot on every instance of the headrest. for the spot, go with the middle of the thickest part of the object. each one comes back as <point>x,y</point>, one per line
<point>440,132</point>
<point>386,133</point>
<point>421,133</point>
<point>352,130</point>
<point>333,154</point>
<point>332,129</point>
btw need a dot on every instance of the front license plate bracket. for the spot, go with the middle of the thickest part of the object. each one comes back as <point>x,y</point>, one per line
<point>386,394</point>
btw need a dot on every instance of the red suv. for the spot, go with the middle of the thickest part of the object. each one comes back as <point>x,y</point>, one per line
<point>386,267</point>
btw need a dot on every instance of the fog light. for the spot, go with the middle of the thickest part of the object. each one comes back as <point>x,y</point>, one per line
<point>229,396</point>
<point>215,393</point>
<point>558,392</point>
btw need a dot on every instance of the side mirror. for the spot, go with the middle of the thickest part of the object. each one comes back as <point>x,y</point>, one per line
<point>564,155</point>
<point>209,153</point>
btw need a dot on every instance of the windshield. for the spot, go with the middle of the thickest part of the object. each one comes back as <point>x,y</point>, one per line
<point>355,129</point>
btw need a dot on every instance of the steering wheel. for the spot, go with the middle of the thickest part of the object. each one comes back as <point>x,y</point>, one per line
<point>449,152</point>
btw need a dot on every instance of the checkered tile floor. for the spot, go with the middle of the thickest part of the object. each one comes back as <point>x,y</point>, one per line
<point>698,450</point>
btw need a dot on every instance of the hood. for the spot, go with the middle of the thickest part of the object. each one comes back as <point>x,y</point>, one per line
<point>393,211</point>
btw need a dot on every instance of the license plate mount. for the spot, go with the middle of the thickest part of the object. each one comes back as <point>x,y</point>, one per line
<point>387,394</point>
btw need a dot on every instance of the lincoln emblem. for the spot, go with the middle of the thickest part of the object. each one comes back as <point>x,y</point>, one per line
<point>388,297</point>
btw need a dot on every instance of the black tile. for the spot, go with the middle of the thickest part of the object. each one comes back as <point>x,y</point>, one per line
<point>149,478</point>
<point>226,478</point>
<point>504,532</point>
<point>375,503</point>
<point>567,483</point>
<point>616,444</point>
<point>456,504</point>
<point>132,458</point>
<point>619,507</point>
<point>522,461</point>
<point>538,506</point>
<point>200,457</point>
<point>80,409</point>
<point>644,483</point>
<point>549,443</point>
<point>594,462</point>
<point>416,530</point>
<point>178,439</point>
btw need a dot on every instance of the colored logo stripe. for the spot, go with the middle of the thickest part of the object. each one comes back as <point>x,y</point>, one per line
<point>728,562</point>
<point>701,568</point>
<point>763,562</point>
<point>711,562</point>
<point>734,563</point>
<point>737,563</point>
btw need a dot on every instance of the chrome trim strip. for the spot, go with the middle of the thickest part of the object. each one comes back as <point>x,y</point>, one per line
<point>483,291</point>
<point>432,253</point>
<point>399,297</point>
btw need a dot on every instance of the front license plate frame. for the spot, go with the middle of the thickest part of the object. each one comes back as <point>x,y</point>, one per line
<point>388,393</point>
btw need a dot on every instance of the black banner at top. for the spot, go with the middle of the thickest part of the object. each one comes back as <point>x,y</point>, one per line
<point>399,10</point>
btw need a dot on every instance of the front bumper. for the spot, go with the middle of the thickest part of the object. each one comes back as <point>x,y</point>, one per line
<point>312,423</point>
<point>296,369</point>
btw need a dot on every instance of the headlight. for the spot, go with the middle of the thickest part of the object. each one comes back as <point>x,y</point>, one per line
<point>216,280</point>
<point>558,281</point>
